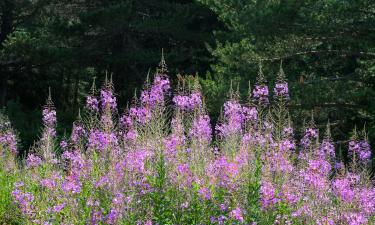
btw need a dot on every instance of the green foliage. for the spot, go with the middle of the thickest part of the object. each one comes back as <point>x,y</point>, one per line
<point>9,213</point>
<point>327,48</point>
<point>253,193</point>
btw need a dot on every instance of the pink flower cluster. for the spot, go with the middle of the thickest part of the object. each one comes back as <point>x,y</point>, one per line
<point>188,102</point>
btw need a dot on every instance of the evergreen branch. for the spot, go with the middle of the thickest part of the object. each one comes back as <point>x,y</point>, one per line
<point>318,52</point>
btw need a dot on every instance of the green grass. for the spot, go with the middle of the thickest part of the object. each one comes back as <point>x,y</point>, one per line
<point>9,213</point>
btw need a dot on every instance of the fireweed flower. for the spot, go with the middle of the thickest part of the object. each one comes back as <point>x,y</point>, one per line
<point>63,145</point>
<point>221,219</point>
<point>25,201</point>
<point>339,165</point>
<point>201,128</point>
<point>289,194</point>
<point>97,140</point>
<point>281,90</point>
<point>148,222</point>
<point>259,139</point>
<point>236,214</point>
<point>365,151</point>
<point>195,99</point>
<point>126,121</point>
<point>76,161</point>
<point>136,160</point>
<point>233,110</point>
<point>92,103</point>
<point>353,178</point>
<point>161,85</point>
<point>112,216</point>
<point>78,132</point>
<point>49,117</point>
<point>366,199</point>
<point>172,143</point>
<point>361,150</point>
<point>51,182</point>
<point>182,102</point>
<point>103,181</point>
<point>156,94</point>
<point>233,119</point>
<point>316,174</point>
<point>278,162</point>
<point>141,114</point>
<point>185,175</point>
<point>118,199</point>
<point>343,188</point>
<point>108,99</point>
<point>310,134</point>
<point>287,145</point>
<point>303,211</point>
<point>354,218</point>
<point>222,173</point>
<point>327,149</point>
<point>127,130</point>
<point>261,93</point>
<point>49,131</point>
<point>106,121</point>
<point>354,147</point>
<point>101,141</point>
<point>254,139</point>
<point>33,160</point>
<point>250,113</point>
<point>130,135</point>
<point>223,207</point>
<point>288,132</point>
<point>49,121</point>
<point>327,220</point>
<point>97,216</point>
<point>267,195</point>
<point>204,193</point>
<point>59,207</point>
<point>188,102</point>
<point>350,192</point>
<point>8,140</point>
<point>71,184</point>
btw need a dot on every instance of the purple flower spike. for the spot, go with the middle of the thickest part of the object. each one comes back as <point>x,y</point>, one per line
<point>8,140</point>
<point>108,99</point>
<point>365,153</point>
<point>92,103</point>
<point>237,214</point>
<point>49,117</point>
<point>201,128</point>
<point>33,161</point>
<point>281,90</point>
<point>188,102</point>
<point>156,94</point>
<point>261,93</point>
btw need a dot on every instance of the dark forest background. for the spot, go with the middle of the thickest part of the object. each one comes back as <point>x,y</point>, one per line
<point>327,48</point>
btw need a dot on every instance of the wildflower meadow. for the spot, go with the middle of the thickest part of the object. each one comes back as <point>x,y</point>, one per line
<point>163,161</point>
